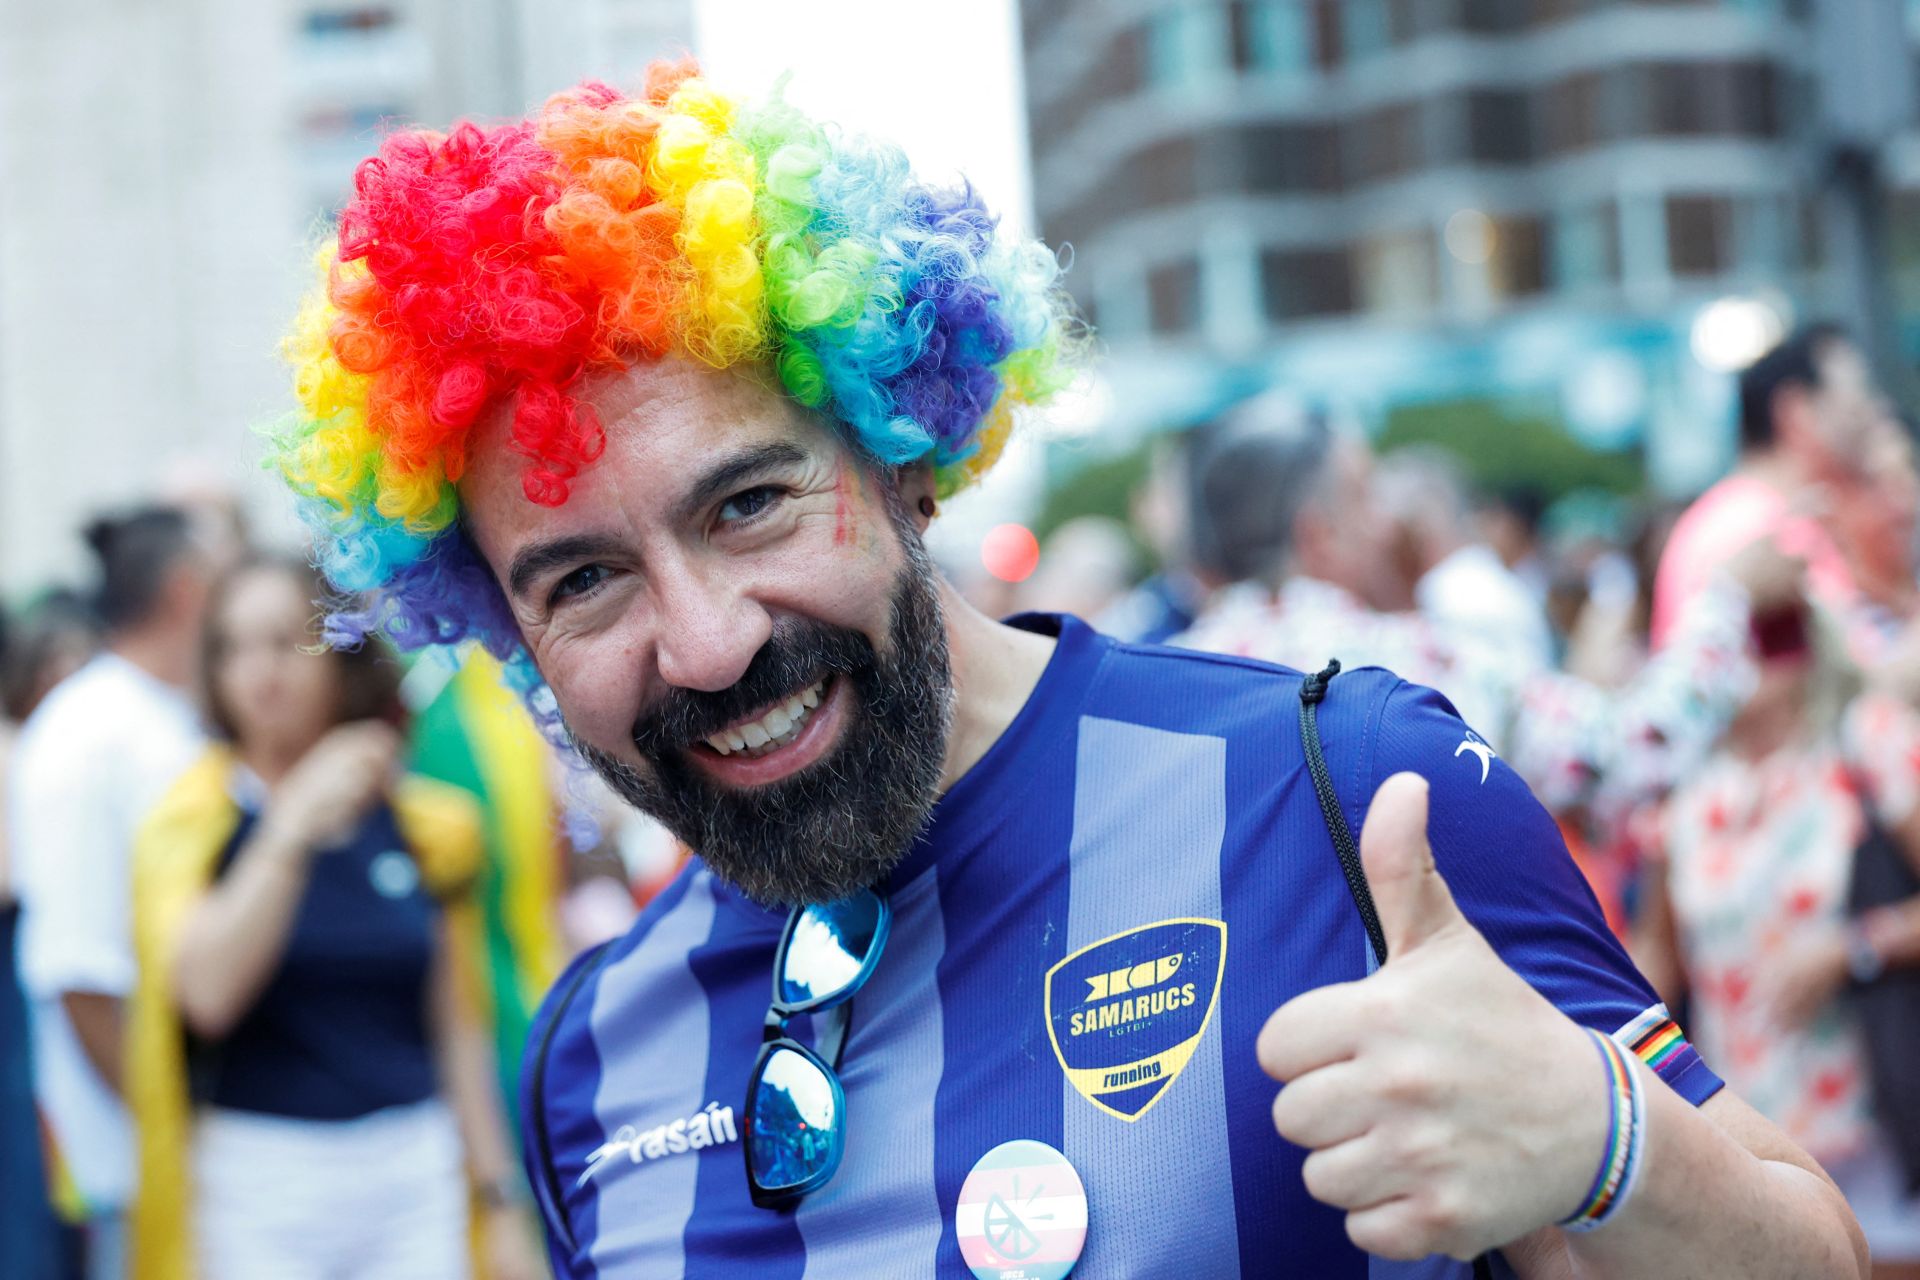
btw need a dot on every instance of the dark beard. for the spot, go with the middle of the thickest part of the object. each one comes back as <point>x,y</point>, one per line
<point>846,820</point>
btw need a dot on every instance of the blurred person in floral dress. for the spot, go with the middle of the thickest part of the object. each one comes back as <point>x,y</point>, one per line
<point>1760,850</point>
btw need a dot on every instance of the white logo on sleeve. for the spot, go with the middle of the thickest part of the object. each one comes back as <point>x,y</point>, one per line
<point>1478,748</point>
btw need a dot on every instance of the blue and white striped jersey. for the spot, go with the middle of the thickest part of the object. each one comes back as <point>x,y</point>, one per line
<point>1102,914</point>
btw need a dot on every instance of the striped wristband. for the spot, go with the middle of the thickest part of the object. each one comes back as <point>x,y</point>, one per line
<point>1626,1139</point>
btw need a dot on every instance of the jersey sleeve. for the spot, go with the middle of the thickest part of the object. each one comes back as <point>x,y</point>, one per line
<point>537,1068</point>
<point>1508,867</point>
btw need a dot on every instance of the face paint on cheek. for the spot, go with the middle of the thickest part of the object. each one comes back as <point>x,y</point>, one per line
<point>843,520</point>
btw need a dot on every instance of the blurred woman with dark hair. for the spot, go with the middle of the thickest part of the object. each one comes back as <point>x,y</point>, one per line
<point>303,1064</point>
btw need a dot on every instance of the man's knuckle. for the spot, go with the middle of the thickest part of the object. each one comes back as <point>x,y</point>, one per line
<point>1443,1217</point>
<point>1283,1117</point>
<point>1374,1234</point>
<point>1318,1174</point>
<point>1406,1084</point>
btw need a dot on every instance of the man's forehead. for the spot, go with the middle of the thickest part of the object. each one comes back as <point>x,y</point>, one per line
<point>666,422</point>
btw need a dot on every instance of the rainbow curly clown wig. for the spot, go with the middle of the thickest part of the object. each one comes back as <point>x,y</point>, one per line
<point>498,265</point>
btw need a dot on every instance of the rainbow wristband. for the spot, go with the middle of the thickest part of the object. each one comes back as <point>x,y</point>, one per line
<point>1620,1163</point>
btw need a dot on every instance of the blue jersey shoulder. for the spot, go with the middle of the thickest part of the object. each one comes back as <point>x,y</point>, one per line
<point>1501,853</point>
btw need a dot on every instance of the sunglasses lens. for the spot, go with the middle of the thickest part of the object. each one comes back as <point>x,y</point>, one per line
<point>793,1134</point>
<point>829,946</point>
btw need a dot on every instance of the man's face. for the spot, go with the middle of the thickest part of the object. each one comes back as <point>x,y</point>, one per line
<point>1347,541</point>
<point>1849,409</point>
<point>739,625</point>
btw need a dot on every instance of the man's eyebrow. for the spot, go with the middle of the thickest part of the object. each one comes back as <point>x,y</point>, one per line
<point>537,558</point>
<point>727,475</point>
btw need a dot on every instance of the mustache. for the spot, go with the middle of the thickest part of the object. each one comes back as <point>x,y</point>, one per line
<point>799,652</point>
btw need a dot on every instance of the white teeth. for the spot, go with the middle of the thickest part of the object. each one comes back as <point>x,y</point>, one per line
<point>771,731</point>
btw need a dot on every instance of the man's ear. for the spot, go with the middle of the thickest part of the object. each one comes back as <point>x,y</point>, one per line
<point>915,485</point>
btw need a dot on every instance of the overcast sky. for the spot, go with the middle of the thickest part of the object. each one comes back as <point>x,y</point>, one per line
<point>941,79</point>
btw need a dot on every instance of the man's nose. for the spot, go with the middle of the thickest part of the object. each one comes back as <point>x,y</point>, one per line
<point>709,631</point>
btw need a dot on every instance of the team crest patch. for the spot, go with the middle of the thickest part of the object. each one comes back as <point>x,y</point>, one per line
<point>1126,1013</point>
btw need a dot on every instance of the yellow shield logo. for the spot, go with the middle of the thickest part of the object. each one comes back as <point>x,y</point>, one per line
<point>1126,1013</point>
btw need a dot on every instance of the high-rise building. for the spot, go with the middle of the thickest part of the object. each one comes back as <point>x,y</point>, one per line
<point>161,167</point>
<point>149,241</point>
<point>359,65</point>
<point>1378,201</point>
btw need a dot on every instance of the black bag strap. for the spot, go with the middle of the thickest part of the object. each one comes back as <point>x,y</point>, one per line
<point>547,1188</point>
<point>1313,691</point>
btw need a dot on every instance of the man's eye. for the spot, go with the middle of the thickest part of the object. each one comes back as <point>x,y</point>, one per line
<point>748,503</point>
<point>583,581</point>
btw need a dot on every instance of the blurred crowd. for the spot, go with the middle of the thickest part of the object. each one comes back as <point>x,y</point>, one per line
<point>274,918</point>
<point>1718,703</point>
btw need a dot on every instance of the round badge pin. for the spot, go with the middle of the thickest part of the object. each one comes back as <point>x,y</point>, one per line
<point>393,874</point>
<point>1022,1214</point>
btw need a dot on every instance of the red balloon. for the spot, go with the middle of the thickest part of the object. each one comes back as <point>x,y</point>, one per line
<point>1010,552</point>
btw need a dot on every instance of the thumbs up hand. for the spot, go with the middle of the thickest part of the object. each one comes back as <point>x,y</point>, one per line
<point>1445,1104</point>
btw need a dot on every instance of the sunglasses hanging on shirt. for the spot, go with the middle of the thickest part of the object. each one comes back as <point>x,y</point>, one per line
<point>796,1110</point>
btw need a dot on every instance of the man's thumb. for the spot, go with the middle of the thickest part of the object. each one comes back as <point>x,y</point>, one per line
<point>1413,901</point>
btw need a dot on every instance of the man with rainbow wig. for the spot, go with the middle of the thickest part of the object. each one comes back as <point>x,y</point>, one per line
<point>653,396</point>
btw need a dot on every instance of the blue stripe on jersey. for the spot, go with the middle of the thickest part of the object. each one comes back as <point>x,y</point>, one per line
<point>572,1079</point>
<point>639,1223</point>
<point>1169,848</point>
<point>996,1043</point>
<point>891,1071</point>
<point>735,968</point>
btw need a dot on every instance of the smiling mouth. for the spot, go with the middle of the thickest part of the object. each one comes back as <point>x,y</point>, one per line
<point>773,728</point>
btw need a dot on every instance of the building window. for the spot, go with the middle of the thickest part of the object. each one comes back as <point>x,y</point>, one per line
<point>1173,297</point>
<point>1499,126</point>
<point>1186,46</point>
<point>1300,283</point>
<point>1586,247</point>
<point>1326,34</point>
<point>1396,274</point>
<point>1274,37</point>
<point>1364,29</point>
<point>1518,267</point>
<point>1493,17</point>
<point>1384,142</point>
<point>1571,113</point>
<point>1736,99</point>
<point>1699,235</point>
<point>1293,158</point>
<point>1164,174</point>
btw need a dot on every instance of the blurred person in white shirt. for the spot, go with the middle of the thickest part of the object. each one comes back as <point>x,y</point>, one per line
<point>91,761</point>
<point>1460,582</point>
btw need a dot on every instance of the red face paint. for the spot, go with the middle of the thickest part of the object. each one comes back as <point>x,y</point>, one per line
<point>842,508</point>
